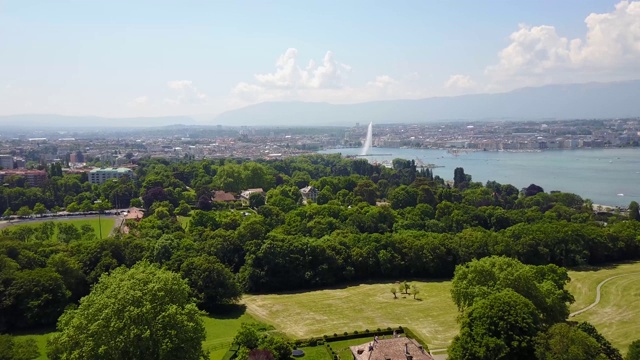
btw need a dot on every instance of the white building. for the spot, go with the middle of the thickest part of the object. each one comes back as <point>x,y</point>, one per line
<point>99,176</point>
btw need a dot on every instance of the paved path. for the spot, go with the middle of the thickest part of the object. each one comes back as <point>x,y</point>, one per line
<point>597,295</point>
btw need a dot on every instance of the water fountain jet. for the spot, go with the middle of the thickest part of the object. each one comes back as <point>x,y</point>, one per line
<point>368,141</point>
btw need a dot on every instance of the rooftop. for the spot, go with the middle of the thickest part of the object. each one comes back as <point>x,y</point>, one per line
<point>400,348</point>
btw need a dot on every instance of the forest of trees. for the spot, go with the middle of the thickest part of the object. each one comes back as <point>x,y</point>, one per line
<point>368,222</point>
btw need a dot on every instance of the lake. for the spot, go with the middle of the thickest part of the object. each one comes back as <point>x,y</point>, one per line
<point>606,176</point>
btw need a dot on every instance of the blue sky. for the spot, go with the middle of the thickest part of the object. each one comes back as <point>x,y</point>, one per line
<point>151,58</point>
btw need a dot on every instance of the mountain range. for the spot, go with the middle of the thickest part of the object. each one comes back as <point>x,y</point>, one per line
<point>570,101</point>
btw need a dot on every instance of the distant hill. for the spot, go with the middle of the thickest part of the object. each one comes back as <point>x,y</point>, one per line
<point>573,101</point>
<point>52,121</point>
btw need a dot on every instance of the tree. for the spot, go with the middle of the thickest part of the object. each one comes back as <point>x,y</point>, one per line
<point>279,347</point>
<point>605,346</point>
<point>38,297</point>
<point>247,336</point>
<point>256,200</point>
<point>406,286</point>
<point>634,211</point>
<point>211,282</point>
<point>502,326</point>
<point>39,209</point>
<point>394,291</point>
<point>563,342</point>
<point>543,285</point>
<point>634,351</point>
<point>24,211</point>
<point>145,306</point>
<point>459,178</point>
<point>73,207</point>
<point>183,208</point>
<point>414,290</point>
<point>14,349</point>
<point>367,191</point>
<point>532,190</point>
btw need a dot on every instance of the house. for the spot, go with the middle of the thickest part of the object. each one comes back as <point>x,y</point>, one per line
<point>397,348</point>
<point>309,193</point>
<point>246,193</point>
<point>221,196</point>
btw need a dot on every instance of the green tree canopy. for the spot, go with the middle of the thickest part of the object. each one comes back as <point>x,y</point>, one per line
<point>502,326</point>
<point>543,285</point>
<point>212,283</point>
<point>138,313</point>
<point>634,351</point>
<point>563,342</point>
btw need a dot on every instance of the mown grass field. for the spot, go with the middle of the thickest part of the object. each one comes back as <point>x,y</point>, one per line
<point>105,222</point>
<point>617,316</point>
<point>368,306</point>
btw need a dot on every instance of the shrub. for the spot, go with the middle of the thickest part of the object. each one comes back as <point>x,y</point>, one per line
<point>378,329</point>
<point>355,332</point>
<point>366,330</point>
<point>335,335</point>
<point>345,333</point>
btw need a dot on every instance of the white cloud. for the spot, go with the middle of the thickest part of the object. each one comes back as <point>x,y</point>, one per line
<point>610,50</point>
<point>459,81</point>
<point>186,93</point>
<point>290,75</point>
<point>139,101</point>
<point>322,81</point>
<point>382,81</point>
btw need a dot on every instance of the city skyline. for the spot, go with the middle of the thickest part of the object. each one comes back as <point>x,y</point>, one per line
<point>163,58</point>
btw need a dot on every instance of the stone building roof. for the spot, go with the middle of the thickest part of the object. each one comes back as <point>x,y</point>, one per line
<point>400,348</point>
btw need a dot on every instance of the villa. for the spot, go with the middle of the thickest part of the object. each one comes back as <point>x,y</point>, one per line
<point>397,348</point>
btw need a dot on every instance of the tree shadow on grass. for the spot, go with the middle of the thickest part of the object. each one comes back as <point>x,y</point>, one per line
<point>43,330</point>
<point>228,311</point>
<point>605,266</point>
<point>346,285</point>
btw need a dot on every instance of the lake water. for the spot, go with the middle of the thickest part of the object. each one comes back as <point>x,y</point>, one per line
<point>606,176</point>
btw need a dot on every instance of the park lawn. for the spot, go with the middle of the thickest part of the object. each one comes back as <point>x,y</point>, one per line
<point>369,306</point>
<point>106,223</point>
<point>315,353</point>
<point>617,316</point>
<point>221,330</point>
<point>584,281</point>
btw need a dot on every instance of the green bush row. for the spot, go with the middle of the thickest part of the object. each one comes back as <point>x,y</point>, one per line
<point>346,336</point>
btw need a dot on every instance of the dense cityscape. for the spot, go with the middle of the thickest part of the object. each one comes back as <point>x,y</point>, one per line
<point>80,148</point>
